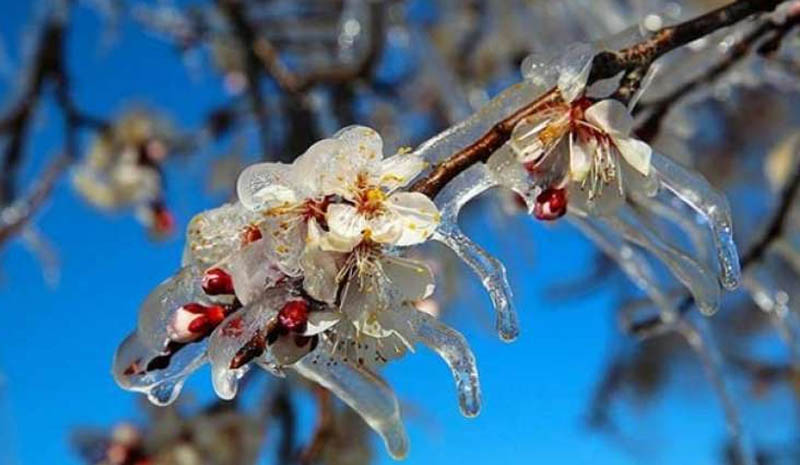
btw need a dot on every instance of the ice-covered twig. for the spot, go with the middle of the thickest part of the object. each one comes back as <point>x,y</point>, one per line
<point>491,271</point>
<point>475,139</point>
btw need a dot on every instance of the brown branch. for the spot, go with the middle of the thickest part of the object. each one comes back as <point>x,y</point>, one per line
<point>324,429</point>
<point>604,65</point>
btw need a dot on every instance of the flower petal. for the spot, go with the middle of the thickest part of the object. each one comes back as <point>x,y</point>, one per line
<point>321,321</point>
<point>417,215</point>
<point>254,270</point>
<point>346,227</point>
<point>320,271</point>
<point>635,152</point>
<point>398,170</point>
<point>214,234</point>
<point>580,158</point>
<point>413,279</point>
<point>611,116</point>
<point>265,185</point>
<point>358,151</point>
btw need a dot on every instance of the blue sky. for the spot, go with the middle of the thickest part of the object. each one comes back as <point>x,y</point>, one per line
<point>56,343</point>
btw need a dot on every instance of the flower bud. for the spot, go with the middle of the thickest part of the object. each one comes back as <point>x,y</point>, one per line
<point>294,316</point>
<point>217,281</point>
<point>193,321</point>
<point>551,204</point>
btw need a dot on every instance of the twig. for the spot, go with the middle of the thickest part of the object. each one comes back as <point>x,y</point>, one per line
<point>604,65</point>
<point>324,428</point>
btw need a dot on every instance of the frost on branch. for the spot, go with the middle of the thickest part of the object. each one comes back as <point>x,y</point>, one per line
<point>306,272</point>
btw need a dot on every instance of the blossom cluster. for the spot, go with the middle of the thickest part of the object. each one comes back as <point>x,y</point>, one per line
<point>309,270</point>
<point>305,272</point>
<point>123,170</point>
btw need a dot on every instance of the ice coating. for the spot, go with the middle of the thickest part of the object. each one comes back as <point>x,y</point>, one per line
<point>665,208</point>
<point>362,390</point>
<point>214,234</point>
<point>131,369</point>
<point>461,135</point>
<point>630,260</point>
<point>235,332</point>
<point>453,348</point>
<point>711,204</point>
<point>702,284</point>
<point>162,302</point>
<point>253,269</point>
<point>490,270</point>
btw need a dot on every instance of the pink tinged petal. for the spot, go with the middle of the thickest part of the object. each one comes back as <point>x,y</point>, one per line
<point>635,152</point>
<point>159,308</point>
<point>580,159</point>
<point>398,170</point>
<point>265,185</point>
<point>611,116</point>
<point>346,226</point>
<point>417,214</point>
<point>160,375</point>
<point>363,391</point>
<point>413,279</point>
<point>243,331</point>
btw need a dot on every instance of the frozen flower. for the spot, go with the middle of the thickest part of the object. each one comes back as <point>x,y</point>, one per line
<point>583,152</point>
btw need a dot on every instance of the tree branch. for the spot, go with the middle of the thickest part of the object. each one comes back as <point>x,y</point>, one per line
<point>604,65</point>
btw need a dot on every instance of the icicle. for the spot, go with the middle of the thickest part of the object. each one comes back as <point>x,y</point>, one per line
<point>362,390</point>
<point>132,371</point>
<point>630,260</point>
<point>453,348</point>
<point>700,195</point>
<point>491,271</point>
<point>701,341</point>
<point>235,333</point>
<point>696,278</point>
<point>670,212</point>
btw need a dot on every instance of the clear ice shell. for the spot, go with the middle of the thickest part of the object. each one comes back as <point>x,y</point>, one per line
<point>695,191</point>
<point>700,281</point>
<point>630,261</point>
<point>454,350</point>
<point>234,333</point>
<point>490,270</point>
<point>252,269</point>
<point>160,305</point>
<point>161,386</point>
<point>362,390</point>
<point>214,234</point>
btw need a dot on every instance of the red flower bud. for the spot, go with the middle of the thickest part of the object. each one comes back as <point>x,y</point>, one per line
<point>217,281</point>
<point>551,204</point>
<point>294,315</point>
